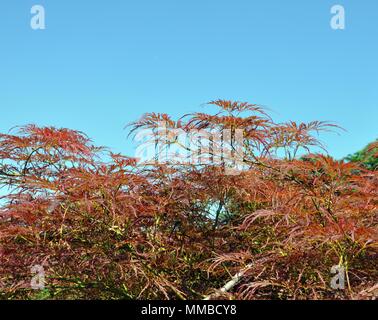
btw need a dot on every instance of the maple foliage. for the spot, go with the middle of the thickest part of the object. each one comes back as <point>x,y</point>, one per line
<point>122,228</point>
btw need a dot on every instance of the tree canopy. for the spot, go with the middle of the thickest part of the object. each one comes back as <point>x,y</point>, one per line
<point>367,157</point>
<point>243,217</point>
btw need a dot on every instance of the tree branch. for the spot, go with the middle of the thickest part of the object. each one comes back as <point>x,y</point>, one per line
<point>230,284</point>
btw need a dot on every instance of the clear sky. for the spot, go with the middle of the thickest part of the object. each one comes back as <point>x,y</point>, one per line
<point>101,64</point>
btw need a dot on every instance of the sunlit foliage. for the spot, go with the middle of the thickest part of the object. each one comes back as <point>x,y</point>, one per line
<point>121,229</point>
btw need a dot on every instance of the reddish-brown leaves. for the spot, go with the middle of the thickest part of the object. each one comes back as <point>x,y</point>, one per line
<point>116,229</point>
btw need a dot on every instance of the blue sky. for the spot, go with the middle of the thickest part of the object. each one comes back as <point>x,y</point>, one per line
<point>101,64</point>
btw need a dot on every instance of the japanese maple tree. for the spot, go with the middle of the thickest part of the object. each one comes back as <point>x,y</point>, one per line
<point>105,225</point>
